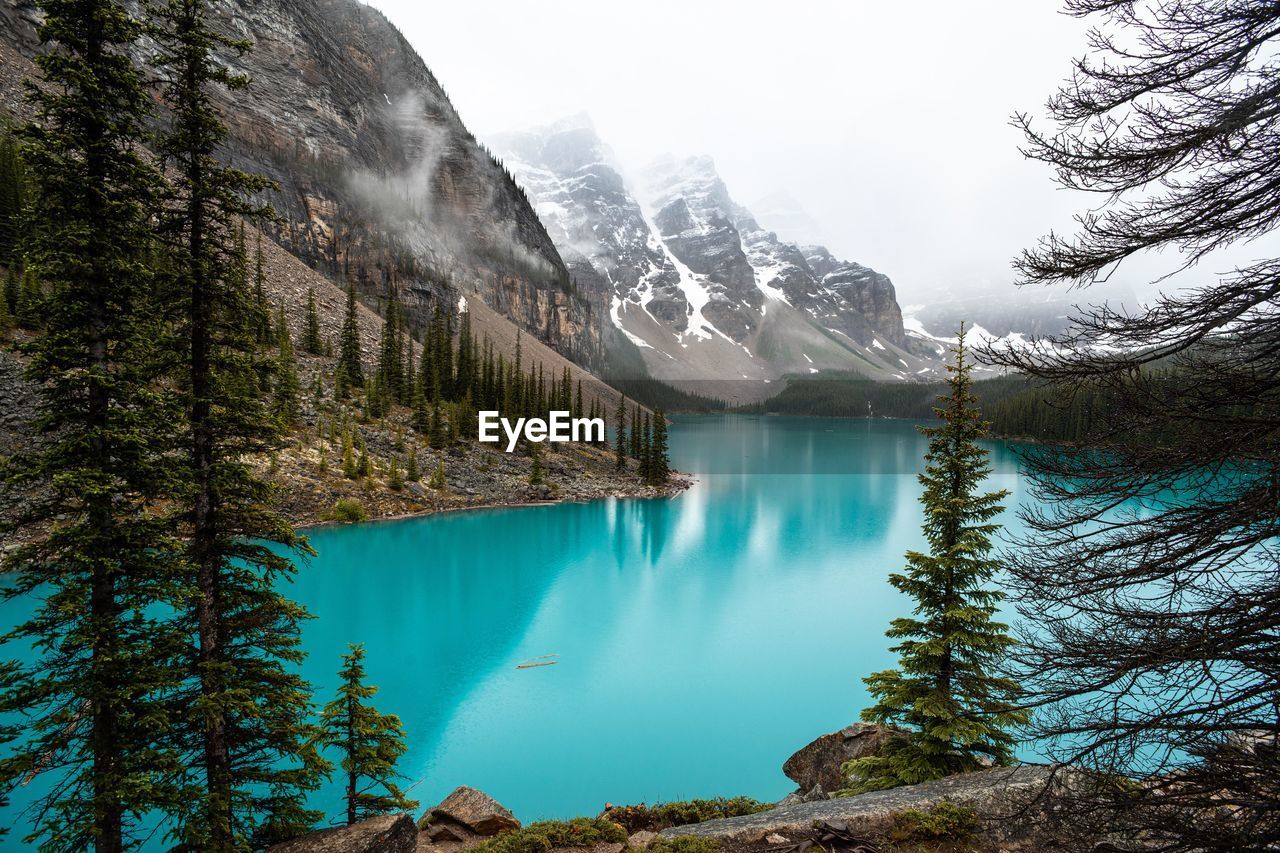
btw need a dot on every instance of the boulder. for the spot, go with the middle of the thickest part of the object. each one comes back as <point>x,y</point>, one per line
<point>1008,802</point>
<point>473,810</point>
<point>393,833</point>
<point>817,765</point>
<point>640,839</point>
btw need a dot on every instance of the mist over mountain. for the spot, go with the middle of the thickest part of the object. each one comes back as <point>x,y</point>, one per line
<point>697,285</point>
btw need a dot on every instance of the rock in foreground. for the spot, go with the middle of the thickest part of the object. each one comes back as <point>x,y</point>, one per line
<point>997,795</point>
<point>818,764</point>
<point>473,810</point>
<point>384,834</point>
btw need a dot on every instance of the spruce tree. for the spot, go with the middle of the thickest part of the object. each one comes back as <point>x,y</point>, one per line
<point>311,342</point>
<point>635,432</point>
<point>958,714</point>
<point>349,344</point>
<point>621,438</point>
<point>536,474</point>
<point>260,308</point>
<point>369,741</point>
<point>645,442</point>
<point>6,319</point>
<point>13,192</point>
<point>30,310</point>
<point>90,694</point>
<point>246,723</point>
<point>659,463</point>
<point>12,287</point>
<point>390,368</point>
<point>287,386</point>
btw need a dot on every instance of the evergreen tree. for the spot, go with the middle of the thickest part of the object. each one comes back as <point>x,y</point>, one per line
<point>621,438</point>
<point>956,711</point>
<point>646,438</point>
<point>437,432</point>
<point>370,743</point>
<point>12,287</point>
<point>252,761</point>
<point>390,369</point>
<point>13,193</point>
<point>286,374</point>
<point>635,433</point>
<point>6,319</point>
<point>260,308</point>
<point>411,467</point>
<point>659,463</point>
<point>536,474</point>
<point>30,308</point>
<point>311,342</point>
<point>438,477</point>
<point>349,344</point>
<point>90,696</point>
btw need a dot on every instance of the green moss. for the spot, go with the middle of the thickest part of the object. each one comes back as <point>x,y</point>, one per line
<point>662,815</point>
<point>944,822</point>
<point>683,844</point>
<point>542,836</point>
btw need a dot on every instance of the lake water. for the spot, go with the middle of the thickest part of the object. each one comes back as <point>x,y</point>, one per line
<point>699,640</point>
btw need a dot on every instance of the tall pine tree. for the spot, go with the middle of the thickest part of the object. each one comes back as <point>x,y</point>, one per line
<point>246,727</point>
<point>89,699</point>
<point>350,367</point>
<point>659,464</point>
<point>370,743</point>
<point>311,341</point>
<point>957,713</point>
<point>620,441</point>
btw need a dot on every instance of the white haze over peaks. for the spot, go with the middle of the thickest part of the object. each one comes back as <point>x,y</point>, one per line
<point>887,123</point>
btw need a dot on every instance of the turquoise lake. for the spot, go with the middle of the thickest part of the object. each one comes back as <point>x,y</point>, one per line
<point>699,640</point>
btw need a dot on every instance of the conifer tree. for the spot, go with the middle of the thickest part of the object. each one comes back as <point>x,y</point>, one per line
<point>252,762</point>
<point>260,309</point>
<point>12,287</point>
<point>13,193</point>
<point>30,308</point>
<point>438,431</point>
<point>90,695</point>
<point>645,447</point>
<point>286,375</point>
<point>390,369</point>
<point>6,319</point>
<point>635,433</point>
<point>536,474</point>
<point>411,467</point>
<point>438,476</point>
<point>621,439</point>
<point>349,344</point>
<point>369,741</point>
<point>311,342</point>
<point>958,714</point>
<point>659,464</point>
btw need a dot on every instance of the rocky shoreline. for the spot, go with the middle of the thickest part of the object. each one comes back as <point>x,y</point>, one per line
<point>997,809</point>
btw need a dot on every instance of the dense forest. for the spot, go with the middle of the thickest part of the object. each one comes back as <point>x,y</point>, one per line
<point>1016,406</point>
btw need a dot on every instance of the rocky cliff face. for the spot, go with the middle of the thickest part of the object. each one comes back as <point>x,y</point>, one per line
<point>692,279</point>
<point>380,183</point>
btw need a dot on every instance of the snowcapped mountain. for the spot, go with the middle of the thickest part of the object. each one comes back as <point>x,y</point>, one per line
<point>696,289</point>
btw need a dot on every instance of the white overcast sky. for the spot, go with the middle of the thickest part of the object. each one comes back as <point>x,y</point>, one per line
<point>887,121</point>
